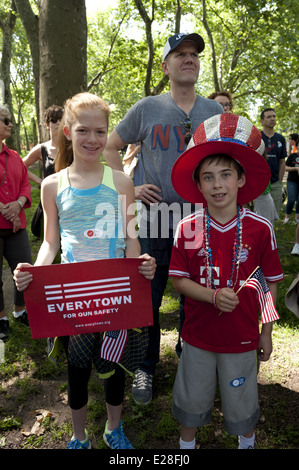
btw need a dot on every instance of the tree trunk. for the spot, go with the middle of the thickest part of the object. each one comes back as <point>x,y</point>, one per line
<point>63,51</point>
<point>30,23</point>
<point>7,30</point>
<point>212,46</point>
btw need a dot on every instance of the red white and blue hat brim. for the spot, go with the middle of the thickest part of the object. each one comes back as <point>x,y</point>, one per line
<point>255,166</point>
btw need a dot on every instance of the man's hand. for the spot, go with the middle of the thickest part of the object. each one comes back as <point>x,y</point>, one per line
<point>147,193</point>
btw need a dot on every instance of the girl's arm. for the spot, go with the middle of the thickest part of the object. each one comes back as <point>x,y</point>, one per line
<point>33,156</point>
<point>292,168</point>
<point>125,188</point>
<point>51,243</point>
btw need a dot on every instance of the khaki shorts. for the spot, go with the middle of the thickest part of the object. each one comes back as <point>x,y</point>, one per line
<point>195,386</point>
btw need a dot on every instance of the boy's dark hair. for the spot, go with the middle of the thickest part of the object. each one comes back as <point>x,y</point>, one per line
<point>223,158</point>
<point>265,110</point>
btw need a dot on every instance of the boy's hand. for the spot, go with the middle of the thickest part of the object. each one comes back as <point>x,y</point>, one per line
<point>226,300</point>
<point>265,347</point>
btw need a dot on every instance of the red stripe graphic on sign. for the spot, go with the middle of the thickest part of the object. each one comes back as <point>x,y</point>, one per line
<point>89,288</point>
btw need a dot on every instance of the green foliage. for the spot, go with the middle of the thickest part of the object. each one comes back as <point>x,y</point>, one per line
<point>256,53</point>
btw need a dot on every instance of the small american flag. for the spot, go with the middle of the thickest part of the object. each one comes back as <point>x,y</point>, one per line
<point>258,282</point>
<point>113,345</point>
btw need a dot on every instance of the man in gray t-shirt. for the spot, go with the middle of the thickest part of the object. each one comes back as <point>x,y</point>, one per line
<point>163,124</point>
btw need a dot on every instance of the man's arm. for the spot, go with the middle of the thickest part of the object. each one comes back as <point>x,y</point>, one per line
<point>147,193</point>
<point>282,165</point>
<point>111,152</point>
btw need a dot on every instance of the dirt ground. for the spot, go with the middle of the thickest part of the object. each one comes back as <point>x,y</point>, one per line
<point>51,398</point>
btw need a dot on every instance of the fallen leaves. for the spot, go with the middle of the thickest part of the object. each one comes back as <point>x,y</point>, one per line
<point>37,429</point>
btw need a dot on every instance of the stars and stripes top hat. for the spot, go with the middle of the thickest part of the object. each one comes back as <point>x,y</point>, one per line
<point>227,134</point>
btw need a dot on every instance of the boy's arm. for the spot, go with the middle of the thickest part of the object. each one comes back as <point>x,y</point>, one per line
<point>265,340</point>
<point>225,299</point>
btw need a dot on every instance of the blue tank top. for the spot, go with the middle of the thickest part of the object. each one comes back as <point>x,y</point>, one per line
<point>90,220</point>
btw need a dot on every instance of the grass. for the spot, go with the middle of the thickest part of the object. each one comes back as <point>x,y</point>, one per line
<point>29,382</point>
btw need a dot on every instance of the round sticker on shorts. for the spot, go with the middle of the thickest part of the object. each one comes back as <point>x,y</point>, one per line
<point>237,382</point>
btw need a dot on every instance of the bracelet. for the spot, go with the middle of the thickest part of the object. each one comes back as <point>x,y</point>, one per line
<point>21,204</point>
<point>214,298</point>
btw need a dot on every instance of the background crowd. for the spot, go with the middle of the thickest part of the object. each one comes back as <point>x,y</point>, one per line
<point>149,159</point>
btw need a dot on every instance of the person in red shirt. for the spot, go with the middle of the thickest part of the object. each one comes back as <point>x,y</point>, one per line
<point>15,195</point>
<point>215,251</point>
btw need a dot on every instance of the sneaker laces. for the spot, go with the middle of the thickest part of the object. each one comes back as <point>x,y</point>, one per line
<point>117,439</point>
<point>143,380</point>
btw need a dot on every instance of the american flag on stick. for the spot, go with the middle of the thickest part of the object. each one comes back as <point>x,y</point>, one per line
<point>258,282</point>
<point>113,345</point>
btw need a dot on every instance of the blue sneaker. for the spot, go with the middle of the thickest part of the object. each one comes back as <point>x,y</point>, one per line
<point>117,439</point>
<point>76,444</point>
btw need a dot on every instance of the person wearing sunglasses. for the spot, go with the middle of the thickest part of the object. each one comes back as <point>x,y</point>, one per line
<point>46,151</point>
<point>224,98</point>
<point>164,125</point>
<point>15,196</point>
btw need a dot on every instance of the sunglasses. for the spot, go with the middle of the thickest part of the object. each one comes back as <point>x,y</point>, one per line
<point>187,124</point>
<point>6,121</point>
<point>54,120</point>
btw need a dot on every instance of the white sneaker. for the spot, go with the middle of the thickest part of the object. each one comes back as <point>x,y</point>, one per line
<point>295,250</point>
<point>286,220</point>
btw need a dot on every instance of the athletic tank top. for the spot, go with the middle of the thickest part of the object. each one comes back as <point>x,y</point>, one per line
<point>48,162</point>
<point>90,220</point>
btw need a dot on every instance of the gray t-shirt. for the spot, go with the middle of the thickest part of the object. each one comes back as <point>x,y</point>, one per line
<point>155,121</point>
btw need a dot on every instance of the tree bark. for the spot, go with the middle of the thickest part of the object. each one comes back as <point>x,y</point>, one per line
<point>212,46</point>
<point>63,51</point>
<point>30,23</point>
<point>7,29</point>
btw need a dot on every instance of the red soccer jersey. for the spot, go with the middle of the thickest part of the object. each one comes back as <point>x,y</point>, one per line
<point>237,331</point>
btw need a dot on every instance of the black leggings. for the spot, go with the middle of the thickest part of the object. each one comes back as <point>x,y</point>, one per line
<point>78,379</point>
<point>15,248</point>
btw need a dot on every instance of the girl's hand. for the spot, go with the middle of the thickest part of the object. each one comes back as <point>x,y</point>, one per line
<point>22,278</point>
<point>148,266</point>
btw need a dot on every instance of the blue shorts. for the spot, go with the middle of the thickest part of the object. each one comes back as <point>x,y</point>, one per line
<point>195,386</point>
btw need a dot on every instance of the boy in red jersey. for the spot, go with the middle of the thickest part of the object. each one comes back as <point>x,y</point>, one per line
<point>215,251</point>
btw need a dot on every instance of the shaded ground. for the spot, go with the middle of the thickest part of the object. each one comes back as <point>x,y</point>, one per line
<point>42,419</point>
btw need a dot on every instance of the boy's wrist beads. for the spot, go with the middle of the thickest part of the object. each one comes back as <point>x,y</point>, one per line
<point>215,297</point>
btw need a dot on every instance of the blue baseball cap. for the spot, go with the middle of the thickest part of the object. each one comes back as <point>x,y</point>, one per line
<point>174,41</point>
